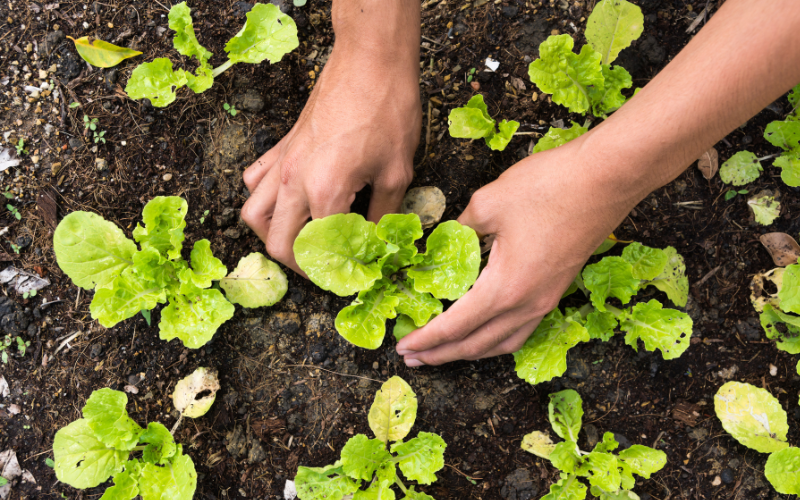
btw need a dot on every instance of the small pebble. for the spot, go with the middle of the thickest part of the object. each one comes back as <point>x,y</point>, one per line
<point>727,475</point>
<point>375,365</point>
<point>475,86</point>
<point>167,177</point>
<point>717,481</point>
<point>773,370</point>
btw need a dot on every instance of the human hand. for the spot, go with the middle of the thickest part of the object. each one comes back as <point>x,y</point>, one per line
<point>361,126</point>
<point>546,225</point>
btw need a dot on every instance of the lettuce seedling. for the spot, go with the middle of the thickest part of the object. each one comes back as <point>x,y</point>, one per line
<point>610,476</point>
<point>779,311</point>
<point>765,207</point>
<point>745,167</point>
<point>556,137</point>
<point>374,460</point>
<point>473,122</point>
<point>755,418</point>
<point>97,256</point>
<point>267,34</point>
<point>346,254</point>
<point>544,355</point>
<point>98,446</point>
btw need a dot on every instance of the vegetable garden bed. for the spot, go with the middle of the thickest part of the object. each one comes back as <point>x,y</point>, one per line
<point>293,391</point>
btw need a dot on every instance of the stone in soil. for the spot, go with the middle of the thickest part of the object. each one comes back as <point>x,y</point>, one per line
<point>13,320</point>
<point>53,40</point>
<point>519,485</point>
<point>231,155</point>
<point>750,329</point>
<point>226,218</point>
<point>578,369</point>
<point>75,143</point>
<point>209,183</point>
<point>533,34</point>
<point>250,101</point>
<point>70,65</point>
<point>319,324</point>
<point>727,476</point>
<point>233,233</point>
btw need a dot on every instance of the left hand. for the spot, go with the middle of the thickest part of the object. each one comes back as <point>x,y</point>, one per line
<point>546,224</point>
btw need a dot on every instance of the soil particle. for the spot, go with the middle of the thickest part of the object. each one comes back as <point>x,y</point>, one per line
<point>727,476</point>
<point>519,485</point>
<point>286,7</point>
<point>236,442</point>
<point>578,369</point>
<point>698,434</point>
<point>226,218</point>
<point>319,324</point>
<point>240,9</point>
<point>256,453</point>
<point>52,41</point>
<point>652,50</point>
<point>233,233</point>
<point>250,101</point>
<point>69,65</point>
<point>624,443</point>
<point>13,320</point>
<point>509,11</point>
<point>592,436</point>
<point>749,328</point>
<point>533,34</point>
<point>75,143</point>
<point>263,140</point>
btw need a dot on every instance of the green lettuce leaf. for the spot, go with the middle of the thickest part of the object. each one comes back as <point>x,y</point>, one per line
<point>91,250</point>
<point>267,34</point>
<point>783,327</point>
<point>205,267</point>
<point>612,26</point>
<point>256,282</point>
<point>451,263</point>
<point>324,483</point>
<point>124,298</point>
<point>752,416</point>
<point>673,280</point>
<point>403,327</point>
<point>176,481</point>
<point>765,208</point>
<point>363,322</point>
<point>377,490</point>
<point>152,269</point>
<point>107,417</point>
<point>185,40</point>
<point>420,458</point>
<point>566,489</point>
<point>195,318</point>
<point>500,140</point>
<point>794,97</point>
<point>126,484</point>
<point>602,471</point>
<point>614,495</point>
<point>740,169</point>
<point>82,460</point>
<point>362,456</point>
<point>471,121</point>
<point>340,253</point>
<point>789,292</point>
<point>401,230</point>
<point>642,460</point>
<point>783,134</point>
<point>607,98</point>
<point>156,81</point>
<point>160,444</point>
<point>420,307</point>
<point>544,355</point>
<point>611,277</point>
<point>416,495</point>
<point>539,444</point>
<point>608,444</point>
<point>565,412</point>
<point>783,471</point>
<point>601,325</point>
<point>558,136</point>
<point>202,80</point>
<point>789,163</point>
<point>566,75</point>
<point>394,410</point>
<point>665,329</point>
<point>164,221</point>
<point>565,458</point>
<point>646,262</point>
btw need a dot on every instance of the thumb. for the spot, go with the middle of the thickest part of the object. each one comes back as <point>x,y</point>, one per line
<point>480,213</point>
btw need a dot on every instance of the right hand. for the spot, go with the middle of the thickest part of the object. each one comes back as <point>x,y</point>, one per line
<point>361,126</point>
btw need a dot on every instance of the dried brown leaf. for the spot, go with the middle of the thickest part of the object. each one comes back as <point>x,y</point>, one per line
<point>782,247</point>
<point>708,163</point>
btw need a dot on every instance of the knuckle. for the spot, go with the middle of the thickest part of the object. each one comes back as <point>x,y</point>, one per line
<point>276,249</point>
<point>249,214</point>
<point>290,168</point>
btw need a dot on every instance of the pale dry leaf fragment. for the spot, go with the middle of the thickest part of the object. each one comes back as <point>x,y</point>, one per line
<point>783,249</point>
<point>6,161</point>
<point>4,390</point>
<point>428,202</point>
<point>23,281</point>
<point>708,163</point>
<point>758,294</point>
<point>10,470</point>
<point>187,395</point>
<point>14,409</point>
<point>131,389</point>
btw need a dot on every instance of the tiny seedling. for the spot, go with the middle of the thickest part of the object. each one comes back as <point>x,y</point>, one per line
<point>755,418</point>
<point>731,193</point>
<point>346,254</point>
<point>146,315</point>
<point>49,462</point>
<point>544,355</point>
<point>610,475</point>
<point>7,342</point>
<point>8,194</point>
<point>30,294</point>
<point>268,34</point>
<point>98,446</point>
<point>20,146</point>
<point>203,218</point>
<point>74,105</point>
<point>473,122</point>
<point>3,481</point>
<point>91,125</point>
<point>14,247</point>
<point>98,256</point>
<point>230,109</point>
<point>374,460</point>
<point>11,208</point>
<point>471,75</point>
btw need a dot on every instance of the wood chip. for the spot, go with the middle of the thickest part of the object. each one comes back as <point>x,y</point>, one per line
<point>782,247</point>
<point>708,163</point>
<point>47,207</point>
<point>686,412</point>
<point>263,428</point>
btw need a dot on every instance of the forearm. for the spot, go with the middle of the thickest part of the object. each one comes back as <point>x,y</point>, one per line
<point>745,58</point>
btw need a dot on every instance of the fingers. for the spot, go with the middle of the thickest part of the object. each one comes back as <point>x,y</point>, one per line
<point>253,175</point>
<point>258,209</point>
<point>514,342</point>
<point>291,214</point>
<point>476,345</point>
<point>388,192</point>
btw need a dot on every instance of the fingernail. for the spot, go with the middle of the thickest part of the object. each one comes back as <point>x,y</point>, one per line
<point>404,352</point>
<point>413,363</point>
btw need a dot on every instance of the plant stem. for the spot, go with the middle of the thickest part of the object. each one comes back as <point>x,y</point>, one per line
<point>527,133</point>
<point>587,309</point>
<point>400,484</point>
<point>613,310</point>
<point>221,69</point>
<point>768,157</point>
<point>177,423</point>
<point>139,448</point>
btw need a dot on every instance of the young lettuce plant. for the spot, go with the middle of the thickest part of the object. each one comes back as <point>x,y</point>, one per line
<point>267,34</point>
<point>97,256</point>
<point>610,476</point>
<point>346,254</point>
<point>544,355</point>
<point>473,122</point>
<point>755,418</point>
<point>745,167</point>
<point>779,311</point>
<point>363,459</point>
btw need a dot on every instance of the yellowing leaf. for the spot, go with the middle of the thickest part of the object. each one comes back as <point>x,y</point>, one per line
<point>185,397</point>
<point>765,207</point>
<point>394,410</point>
<point>752,416</point>
<point>102,54</point>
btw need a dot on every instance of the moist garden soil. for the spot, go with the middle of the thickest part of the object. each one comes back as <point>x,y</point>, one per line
<point>293,392</point>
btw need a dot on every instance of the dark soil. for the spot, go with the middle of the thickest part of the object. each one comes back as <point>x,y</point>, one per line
<point>293,392</point>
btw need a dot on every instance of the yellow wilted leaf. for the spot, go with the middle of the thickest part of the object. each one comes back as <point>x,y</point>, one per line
<point>102,54</point>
